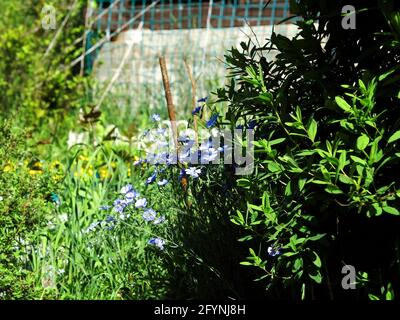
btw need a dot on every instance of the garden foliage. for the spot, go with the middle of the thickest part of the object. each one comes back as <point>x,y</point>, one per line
<point>25,188</point>
<point>325,193</point>
<point>103,219</point>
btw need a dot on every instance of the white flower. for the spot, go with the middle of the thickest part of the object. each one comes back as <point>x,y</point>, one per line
<point>156,117</point>
<point>159,220</point>
<point>61,271</point>
<point>126,189</point>
<point>141,203</point>
<point>149,215</point>
<point>193,172</point>
<point>162,182</point>
<point>157,242</point>
<point>63,217</point>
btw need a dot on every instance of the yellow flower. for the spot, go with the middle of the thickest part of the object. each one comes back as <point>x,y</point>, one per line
<point>78,173</point>
<point>35,172</point>
<point>9,167</point>
<point>129,172</point>
<point>56,165</point>
<point>104,173</point>
<point>57,177</point>
<point>83,158</point>
<point>37,166</point>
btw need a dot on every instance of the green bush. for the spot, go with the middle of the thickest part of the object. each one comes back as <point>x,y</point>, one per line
<point>325,193</point>
<point>38,86</point>
<point>24,206</point>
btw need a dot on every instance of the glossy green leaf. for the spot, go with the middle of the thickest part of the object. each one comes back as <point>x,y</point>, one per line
<point>317,260</point>
<point>391,210</point>
<point>343,105</point>
<point>312,130</point>
<point>394,137</point>
<point>316,277</point>
<point>362,142</point>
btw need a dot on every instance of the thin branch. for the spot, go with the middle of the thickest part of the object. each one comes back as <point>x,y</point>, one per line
<point>170,104</point>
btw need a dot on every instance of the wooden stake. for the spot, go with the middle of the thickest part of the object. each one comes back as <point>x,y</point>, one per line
<point>168,98</point>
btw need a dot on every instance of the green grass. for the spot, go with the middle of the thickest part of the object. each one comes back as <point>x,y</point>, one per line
<point>71,262</point>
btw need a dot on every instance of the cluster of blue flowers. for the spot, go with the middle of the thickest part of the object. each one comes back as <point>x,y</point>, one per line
<point>206,153</point>
<point>129,198</point>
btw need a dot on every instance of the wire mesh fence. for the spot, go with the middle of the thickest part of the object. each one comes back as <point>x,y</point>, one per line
<point>197,33</point>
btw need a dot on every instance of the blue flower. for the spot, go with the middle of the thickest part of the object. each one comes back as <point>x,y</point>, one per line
<point>162,182</point>
<point>149,215</point>
<point>274,252</point>
<point>119,205</point>
<point>223,148</point>
<point>161,131</point>
<point>158,242</point>
<point>110,219</point>
<point>92,226</point>
<point>141,203</point>
<point>193,172</point>
<point>196,110</point>
<point>130,196</point>
<point>156,117</point>
<point>126,189</point>
<point>105,207</point>
<point>159,220</point>
<point>202,99</point>
<point>119,208</point>
<point>213,120</point>
<point>152,178</point>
